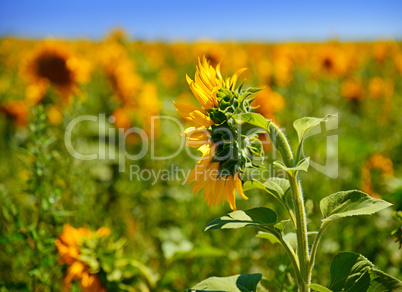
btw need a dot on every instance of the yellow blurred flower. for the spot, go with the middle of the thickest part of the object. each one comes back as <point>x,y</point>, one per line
<point>214,52</point>
<point>283,70</point>
<point>398,62</point>
<point>380,51</point>
<point>352,89</point>
<point>117,35</point>
<point>122,118</point>
<point>68,245</point>
<point>149,106</point>
<point>331,60</point>
<point>120,71</point>
<point>17,111</point>
<point>379,87</point>
<point>264,71</point>
<point>168,77</point>
<point>53,63</point>
<point>375,161</point>
<point>268,102</point>
<point>140,113</point>
<point>54,115</point>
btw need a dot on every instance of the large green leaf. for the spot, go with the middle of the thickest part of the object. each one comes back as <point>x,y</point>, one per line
<point>350,203</point>
<point>256,217</point>
<point>348,272</point>
<point>380,281</point>
<point>253,119</point>
<point>277,187</point>
<point>237,283</point>
<point>352,272</point>
<point>303,125</point>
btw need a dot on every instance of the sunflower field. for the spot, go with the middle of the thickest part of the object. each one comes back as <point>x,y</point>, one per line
<point>93,192</point>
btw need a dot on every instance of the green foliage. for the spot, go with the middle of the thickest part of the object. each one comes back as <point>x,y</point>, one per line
<point>353,272</point>
<point>253,119</point>
<point>319,288</point>
<point>276,187</point>
<point>260,216</point>
<point>350,203</point>
<point>301,166</point>
<point>42,187</point>
<point>304,125</point>
<point>237,283</point>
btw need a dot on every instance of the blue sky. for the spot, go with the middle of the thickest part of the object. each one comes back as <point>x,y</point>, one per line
<point>192,20</point>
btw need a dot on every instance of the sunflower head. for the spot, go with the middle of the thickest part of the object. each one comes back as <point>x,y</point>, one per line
<point>228,148</point>
<point>235,145</point>
<point>53,63</point>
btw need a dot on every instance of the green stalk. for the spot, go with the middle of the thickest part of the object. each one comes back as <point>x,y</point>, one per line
<point>301,232</point>
<point>282,144</point>
<point>293,258</point>
<point>315,246</point>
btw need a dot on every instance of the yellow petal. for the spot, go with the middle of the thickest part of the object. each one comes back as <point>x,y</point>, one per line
<point>239,187</point>
<point>184,110</point>
<point>230,193</point>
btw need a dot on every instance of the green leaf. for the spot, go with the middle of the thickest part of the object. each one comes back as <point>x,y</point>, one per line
<point>352,272</point>
<point>237,283</point>
<point>350,203</point>
<point>253,119</point>
<point>380,281</point>
<point>319,288</point>
<point>276,187</point>
<point>301,166</point>
<point>273,231</point>
<point>266,235</point>
<point>291,237</point>
<point>348,272</point>
<point>303,125</point>
<point>248,93</point>
<point>255,217</point>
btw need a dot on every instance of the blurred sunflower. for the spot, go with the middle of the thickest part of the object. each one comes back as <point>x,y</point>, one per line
<point>54,64</point>
<point>379,87</point>
<point>17,111</point>
<point>217,173</point>
<point>375,161</point>
<point>268,102</point>
<point>68,245</point>
<point>330,60</point>
<point>352,89</point>
<point>120,71</point>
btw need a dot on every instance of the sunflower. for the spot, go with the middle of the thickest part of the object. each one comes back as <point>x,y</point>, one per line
<point>375,161</point>
<point>17,111</point>
<point>54,64</point>
<point>352,89</point>
<point>217,173</point>
<point>68,245</point>
<point>120,71</point>
<point>331,61</point>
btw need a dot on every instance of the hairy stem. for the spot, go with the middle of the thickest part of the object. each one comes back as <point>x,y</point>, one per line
<point>293,258</point>
<point>315,246</point>
<point>301,232</point>
<point>282,144</point>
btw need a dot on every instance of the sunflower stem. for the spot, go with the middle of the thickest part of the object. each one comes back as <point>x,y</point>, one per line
<point>315,246</point>
<point>301,232</point>
<point>283,146</point>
